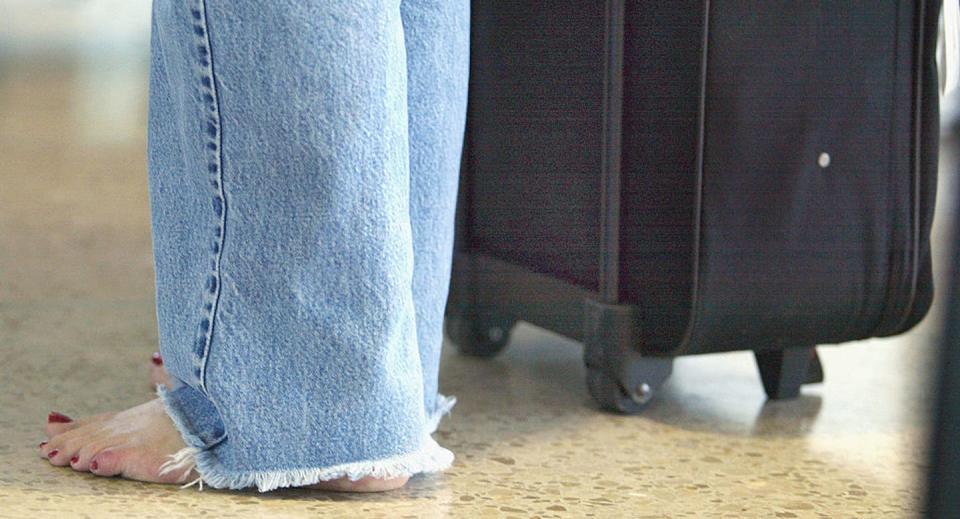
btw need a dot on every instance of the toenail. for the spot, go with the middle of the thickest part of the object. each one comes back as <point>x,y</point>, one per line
<point>52,453</point>
<point>55,417</point>
<point>74,459</point>
<point>93,465</point>
<point>156,358</point>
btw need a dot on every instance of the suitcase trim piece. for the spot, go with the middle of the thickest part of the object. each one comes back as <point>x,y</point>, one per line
<point>695,299</point>
<point>912,262</point>
<point>611,144</point>
<point>919,67</point>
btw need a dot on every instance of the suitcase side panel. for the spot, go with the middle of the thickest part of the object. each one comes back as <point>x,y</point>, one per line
<point>807,180</point>
<point>809,219</point>
<point>534,123</point>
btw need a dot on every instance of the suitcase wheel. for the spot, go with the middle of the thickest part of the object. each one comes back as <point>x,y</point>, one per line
<point>612,396</point>
<point>478,336</point>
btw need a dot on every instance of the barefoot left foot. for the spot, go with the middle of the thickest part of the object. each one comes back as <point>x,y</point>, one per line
<point>136,443</point>
<point>133,444</point>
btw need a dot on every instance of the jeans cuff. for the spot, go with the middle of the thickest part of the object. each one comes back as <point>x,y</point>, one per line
<point>193,414</point>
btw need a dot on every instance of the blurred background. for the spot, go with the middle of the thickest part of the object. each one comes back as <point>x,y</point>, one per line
<point>101,46</point>
<point>77,328</point>
<point>73,87</point>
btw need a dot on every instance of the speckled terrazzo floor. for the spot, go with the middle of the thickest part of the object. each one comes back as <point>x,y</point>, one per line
<point>77,326</point>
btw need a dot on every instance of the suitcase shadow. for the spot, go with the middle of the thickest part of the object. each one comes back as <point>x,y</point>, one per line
<point>722,393</point>
<point>770,418</point>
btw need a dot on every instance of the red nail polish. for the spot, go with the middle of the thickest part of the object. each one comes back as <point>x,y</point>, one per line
<point>52,453</point>
<point>74,459</point>
<point>157,359</point>
<point>93,465</point>
<point>55,417</point>
<point>43,443</point>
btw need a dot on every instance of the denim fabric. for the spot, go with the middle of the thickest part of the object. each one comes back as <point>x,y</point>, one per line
<point>303,166</point>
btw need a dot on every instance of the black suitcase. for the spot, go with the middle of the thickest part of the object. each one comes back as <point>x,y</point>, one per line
<point>659,179</point>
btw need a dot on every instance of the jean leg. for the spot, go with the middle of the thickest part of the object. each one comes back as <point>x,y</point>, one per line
<point>437,37</point>
<point>279,183</point>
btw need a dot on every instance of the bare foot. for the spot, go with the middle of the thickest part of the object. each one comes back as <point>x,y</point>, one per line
<point>135,443</point>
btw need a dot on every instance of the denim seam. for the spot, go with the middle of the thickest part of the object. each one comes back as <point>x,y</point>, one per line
<point>213,147</point>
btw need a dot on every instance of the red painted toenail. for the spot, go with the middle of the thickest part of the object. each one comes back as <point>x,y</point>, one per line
<point>93,465</point>
<point>74,459</point>
<point>55,417</point>
<point>52,453</point>
<point>157,359</point>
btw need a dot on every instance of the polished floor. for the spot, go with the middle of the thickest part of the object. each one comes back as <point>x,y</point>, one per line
<point>77,327</point>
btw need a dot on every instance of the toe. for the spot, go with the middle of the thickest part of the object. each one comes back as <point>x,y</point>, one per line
<point>50,449</point>
<point>56,455</point>
<point>57,423</point>
<point>107,462</point>
<point>81,460</point>
<point>60,449</point>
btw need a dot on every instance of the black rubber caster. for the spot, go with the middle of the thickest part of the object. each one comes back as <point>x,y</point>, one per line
<point>814,369</point>
<point>478,336</point>
<point>784,371</point>
<point>612,396</point>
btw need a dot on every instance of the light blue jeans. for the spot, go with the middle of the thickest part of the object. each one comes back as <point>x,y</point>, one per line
<point>303,167</point>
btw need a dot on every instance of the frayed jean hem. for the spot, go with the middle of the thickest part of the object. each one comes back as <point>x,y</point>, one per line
<point>444,404</point>
<point>429,457</point>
